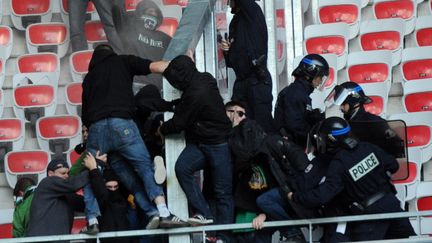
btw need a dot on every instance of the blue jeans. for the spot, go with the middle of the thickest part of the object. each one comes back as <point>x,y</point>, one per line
<point>272,204</point>
<point>194,158</point>
<point>91,210</point>
<point>77,18</point>
<point>121,139</point>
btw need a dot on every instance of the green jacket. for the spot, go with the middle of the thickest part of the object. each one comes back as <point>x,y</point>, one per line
<point>21,214</point>
<point>78,166</point>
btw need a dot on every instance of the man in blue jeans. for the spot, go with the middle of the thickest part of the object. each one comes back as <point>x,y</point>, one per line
<point>201,114</point>
<point>107,110</point>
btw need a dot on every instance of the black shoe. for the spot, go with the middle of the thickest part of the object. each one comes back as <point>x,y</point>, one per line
<point>172,221</point>
<point>90,229</point>
<point>153,222</point>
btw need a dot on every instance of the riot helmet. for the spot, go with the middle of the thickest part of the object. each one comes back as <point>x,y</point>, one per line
<point>334,133</point>
<point>312,66</point>
<point>347,93</point>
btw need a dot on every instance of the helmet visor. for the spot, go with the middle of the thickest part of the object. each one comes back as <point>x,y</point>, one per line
<point>323,83</point>
<point>338,95</point>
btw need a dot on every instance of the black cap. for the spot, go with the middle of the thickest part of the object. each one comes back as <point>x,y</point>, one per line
<point>57,164</point>
<point>109,175</point>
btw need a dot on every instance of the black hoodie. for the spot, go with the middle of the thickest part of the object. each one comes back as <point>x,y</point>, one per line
<point>200,112</point>
<point>107,87</point>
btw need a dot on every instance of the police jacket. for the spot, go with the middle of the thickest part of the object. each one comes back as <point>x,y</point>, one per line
<point>107,87</point>
<point>200,111</point>
<point>248,36</point>
<point>362,172</point>
<point>292,107</point>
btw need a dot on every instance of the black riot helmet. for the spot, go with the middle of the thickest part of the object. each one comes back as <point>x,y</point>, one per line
<point>334,133</point>
<point>312,66</point>
<point>348,93</point>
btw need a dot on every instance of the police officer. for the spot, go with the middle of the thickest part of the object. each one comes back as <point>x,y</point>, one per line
<point>294,116</point>
<point>363,170</point>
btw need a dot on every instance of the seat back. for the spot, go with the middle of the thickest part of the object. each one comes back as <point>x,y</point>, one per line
<point>79,63</point>
<point>73,98</point>
<point>12,131</point>
<point>416,63</point>
<point>94,32</point>
<point>417,96</point>
<point>48,37</point>
<point>379,95</point>
<point>57,133</point>
<point>406,10</point>
<point>39,62</point>
<point>34,101</point>
<point>64,9</point>
<point>333,11</point>
<point>423,31</point>
<point>72,157</point>
<point>6,41</point>
<point>26,12</point>
<point>26,163</point>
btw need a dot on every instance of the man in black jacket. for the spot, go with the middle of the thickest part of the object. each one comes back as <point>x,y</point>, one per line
<point>201,114</point>
<point>246,53</point>
<point>107,110</point>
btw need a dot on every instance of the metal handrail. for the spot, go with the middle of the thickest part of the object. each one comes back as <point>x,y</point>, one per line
<point>203,229</point>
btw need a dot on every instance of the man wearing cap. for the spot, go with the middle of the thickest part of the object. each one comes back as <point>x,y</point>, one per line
<point>54,201</point>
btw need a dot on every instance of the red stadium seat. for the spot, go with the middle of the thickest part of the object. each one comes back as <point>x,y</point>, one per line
<point>73,98</point>
<point>423,202</point>
<point>280,40</point>
<point>411,181</point>
<point>333,11</point>
<point>26,12</point>
<point>40,62</point>
<point>131,5</point>
<point>376,107</point>
<point>405,9</point>
<point>78,225</point>
<point>95,33</point>
<point>423,31</point>
<point>370,67</point>
<point>386,34</point>
<point>34,101</point>
<point>328,38</point>
<point>421,101</point>
<point>417,63</point>
<point>26,163</point>
<point>47,37</point>
<point>12,135</point>
<point>169,26</point>
<point>378,92</point>
<point>58,133</point>
<point>79,63</point>
<point>5,231</point>
<point>6,42</point>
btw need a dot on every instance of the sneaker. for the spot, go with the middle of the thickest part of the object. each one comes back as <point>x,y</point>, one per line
<point>153,222</point>
<point>172,221</point>
<point>198,219</point>
<point>90,229</point>
<point>160,171</point>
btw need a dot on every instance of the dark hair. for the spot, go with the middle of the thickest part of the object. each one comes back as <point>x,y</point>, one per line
<point>104,47</point>
<point>22,185</point>
<point>235,103</point>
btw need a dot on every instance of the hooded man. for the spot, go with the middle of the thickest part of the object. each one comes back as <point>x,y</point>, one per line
<point>108,109</point>
<point>140,36</point>
<point>201,114</point>
<point>23,193</point>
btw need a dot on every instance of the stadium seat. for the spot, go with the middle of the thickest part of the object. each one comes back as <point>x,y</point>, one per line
<point>73,98</point>
<point>72,157</point>
<point>58,133</point>
<point>169,26</point>
<point>333,11</point>
<point>370,67</point>
<point>39,63</point>
<point>423,202</point>
<point>5,231</point>
<point>423,31</point>
<point>406,10</point>
<point>11,136</point>
<point>280,40</point>
<point>419,135</point>
<point>34,101</point>
<point>416,63</point>
<point>6,42</point>
<point>26,12</point>
<point>417,96</point>
<point>91,11</point>
<point>48,37</point>
<point>95,33</point>
<point>26,163</point>
<point>379,95</point>
<point>328,38</point>
<point>411,182</point>
<point>79,62</point>
<point>386,34</point>
<point>78,224</point>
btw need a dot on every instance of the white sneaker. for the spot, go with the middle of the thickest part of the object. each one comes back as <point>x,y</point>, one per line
<point>198,219</point>
<point>160,171</point>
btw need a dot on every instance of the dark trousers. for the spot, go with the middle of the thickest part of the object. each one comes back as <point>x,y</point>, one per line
<point>257,95</point>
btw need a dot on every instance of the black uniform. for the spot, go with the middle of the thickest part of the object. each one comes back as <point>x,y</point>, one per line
<point>362,172</point>
<point>248,36</point>
<point>293,112</point>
